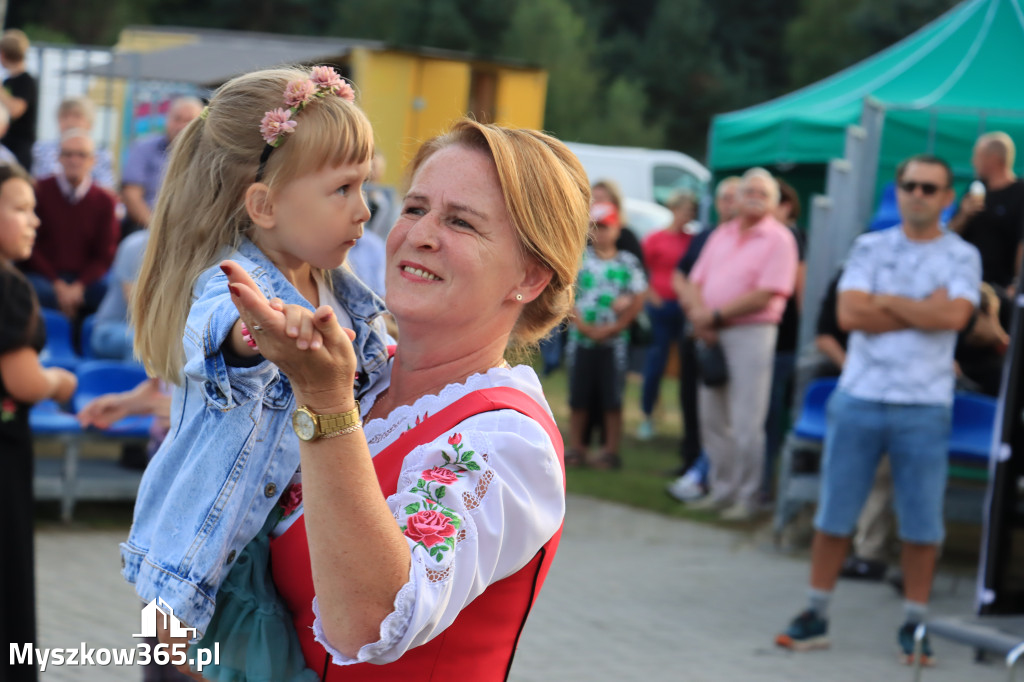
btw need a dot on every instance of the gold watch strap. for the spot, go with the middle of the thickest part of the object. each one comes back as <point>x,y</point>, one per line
<point>331,425</point>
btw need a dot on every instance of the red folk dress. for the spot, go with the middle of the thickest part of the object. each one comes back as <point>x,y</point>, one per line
<point>476,480</point>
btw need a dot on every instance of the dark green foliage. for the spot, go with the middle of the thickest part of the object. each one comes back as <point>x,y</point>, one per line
<point>644,72</point>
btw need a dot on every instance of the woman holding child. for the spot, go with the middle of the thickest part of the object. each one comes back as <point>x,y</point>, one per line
<point>424,515</point>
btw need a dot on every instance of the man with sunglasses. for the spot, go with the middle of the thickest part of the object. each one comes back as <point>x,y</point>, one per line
<point>992,219</point>
<point>78,232</point>
<point>904,294</point>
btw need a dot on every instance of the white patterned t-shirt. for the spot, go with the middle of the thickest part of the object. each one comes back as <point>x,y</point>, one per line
<point>908,366</point>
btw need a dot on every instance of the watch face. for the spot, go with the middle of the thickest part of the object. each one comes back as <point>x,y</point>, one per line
<point>302,422</point>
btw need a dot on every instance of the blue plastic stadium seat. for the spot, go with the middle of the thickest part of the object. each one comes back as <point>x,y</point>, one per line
<point>59,350</point>
<point>974,418</point>
<point>48,419</point>
<point>88,324</point>
<point>811,424</point>
<point>99,377</point>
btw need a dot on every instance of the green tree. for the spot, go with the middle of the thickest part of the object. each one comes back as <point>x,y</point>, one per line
<point>622,118</point>
<point>750,39</point>
<point>549,33</point>
<point>685,77</point>
<point>87,22</point>
<point>373,19</point>
<point>582,104</point>
<point>474,26</point>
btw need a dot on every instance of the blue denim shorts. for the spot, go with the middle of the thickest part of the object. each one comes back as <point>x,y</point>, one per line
<point>916,439</point>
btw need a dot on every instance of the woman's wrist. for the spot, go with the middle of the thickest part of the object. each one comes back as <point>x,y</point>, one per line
<point>331,401</point>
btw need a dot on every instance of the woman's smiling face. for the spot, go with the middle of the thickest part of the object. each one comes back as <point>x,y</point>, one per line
<point>453,252</point>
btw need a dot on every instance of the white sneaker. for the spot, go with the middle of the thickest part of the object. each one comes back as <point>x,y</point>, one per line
<point>646,429</point>
<point>686,488</point>
<point>738,512</point>
<point>708,503</point>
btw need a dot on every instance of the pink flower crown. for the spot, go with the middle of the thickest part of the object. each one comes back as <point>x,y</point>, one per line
<point>277,123</point>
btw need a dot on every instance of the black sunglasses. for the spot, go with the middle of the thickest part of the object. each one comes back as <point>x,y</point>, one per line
<point>927,188</point>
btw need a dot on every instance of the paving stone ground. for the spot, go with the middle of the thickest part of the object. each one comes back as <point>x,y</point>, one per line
<point>631,596</point>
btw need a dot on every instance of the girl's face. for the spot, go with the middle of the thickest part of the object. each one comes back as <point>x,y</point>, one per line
<point>318,217</point>
<point>18,221</point>
<point>454,260</point>
<point>599,195</point>
<point>604,236</point>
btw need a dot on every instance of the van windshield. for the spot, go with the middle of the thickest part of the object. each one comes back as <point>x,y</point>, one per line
<point>668,180</point>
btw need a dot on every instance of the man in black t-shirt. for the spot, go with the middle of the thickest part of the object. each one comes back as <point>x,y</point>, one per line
<point>993,220</point>
<point>784,364</point>
<point>20,96</point>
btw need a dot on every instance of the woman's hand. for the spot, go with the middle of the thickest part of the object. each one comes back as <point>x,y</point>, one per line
<point>175,646</point>
<point>311,348</point>
<point>146,398</point>
<point>103,411</point>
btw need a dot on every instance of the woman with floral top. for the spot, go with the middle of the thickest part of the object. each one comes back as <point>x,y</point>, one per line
<point>421,539</point>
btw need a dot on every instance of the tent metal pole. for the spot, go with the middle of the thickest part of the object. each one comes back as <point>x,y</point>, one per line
<point>873,122</point>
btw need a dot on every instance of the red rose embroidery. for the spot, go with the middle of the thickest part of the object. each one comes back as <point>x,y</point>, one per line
<point>9,405</point>
<point>441,475</point>
<point>455,439</point>
<point>429,527</point>
<point>292,498</point>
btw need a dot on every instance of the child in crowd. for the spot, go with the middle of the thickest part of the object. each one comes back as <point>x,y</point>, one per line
<point>23,381</point>
<point>270,176</point>
<point>609,295</point>
<point>19,96</point>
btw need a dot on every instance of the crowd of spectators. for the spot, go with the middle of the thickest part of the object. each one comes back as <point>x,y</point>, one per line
<point>91,237</point>
<point>726,298</point>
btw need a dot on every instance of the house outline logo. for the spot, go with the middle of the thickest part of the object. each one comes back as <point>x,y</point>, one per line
<point>149,620</point>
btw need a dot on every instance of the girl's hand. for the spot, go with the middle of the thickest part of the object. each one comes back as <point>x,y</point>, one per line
<point>312,349</point>
<point>65,383</point>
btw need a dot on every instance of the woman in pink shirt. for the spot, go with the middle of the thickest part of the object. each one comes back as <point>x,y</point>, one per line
<point>662,251</point>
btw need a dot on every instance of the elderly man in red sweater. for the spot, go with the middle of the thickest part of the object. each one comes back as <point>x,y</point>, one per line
<point>77,235</point>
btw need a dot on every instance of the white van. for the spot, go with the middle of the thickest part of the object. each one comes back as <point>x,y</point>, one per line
<point>645,174</point>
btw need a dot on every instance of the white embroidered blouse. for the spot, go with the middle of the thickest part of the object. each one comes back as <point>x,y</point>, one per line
<point>476,505</point>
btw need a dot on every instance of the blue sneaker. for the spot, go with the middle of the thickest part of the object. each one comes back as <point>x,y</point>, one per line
<point>645,431</point>
<point>806,632</point>
<point>905,638</point>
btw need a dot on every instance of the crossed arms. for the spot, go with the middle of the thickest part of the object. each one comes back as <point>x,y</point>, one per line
<point>879,313</point>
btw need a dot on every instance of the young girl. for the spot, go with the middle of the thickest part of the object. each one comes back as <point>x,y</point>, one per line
<point>22,382</point>
<point>270,176</point>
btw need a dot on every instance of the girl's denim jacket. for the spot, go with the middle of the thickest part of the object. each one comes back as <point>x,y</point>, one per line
<point>231,450</point>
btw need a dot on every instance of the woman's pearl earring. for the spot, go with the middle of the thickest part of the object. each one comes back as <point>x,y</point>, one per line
<point>519,297</point>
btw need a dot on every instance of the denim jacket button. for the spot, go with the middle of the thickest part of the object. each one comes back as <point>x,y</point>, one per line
<point>270,490</point>
<point>231,556</point>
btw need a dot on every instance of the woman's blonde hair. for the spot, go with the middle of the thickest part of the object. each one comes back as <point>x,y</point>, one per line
<point>201,206</point>
<point>547,196</point>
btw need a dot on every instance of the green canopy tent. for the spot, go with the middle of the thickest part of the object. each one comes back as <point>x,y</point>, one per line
<point>939,89</point>
<point>935,91</point>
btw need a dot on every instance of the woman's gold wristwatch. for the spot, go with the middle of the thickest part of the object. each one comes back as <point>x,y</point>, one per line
<point>309,425</point>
